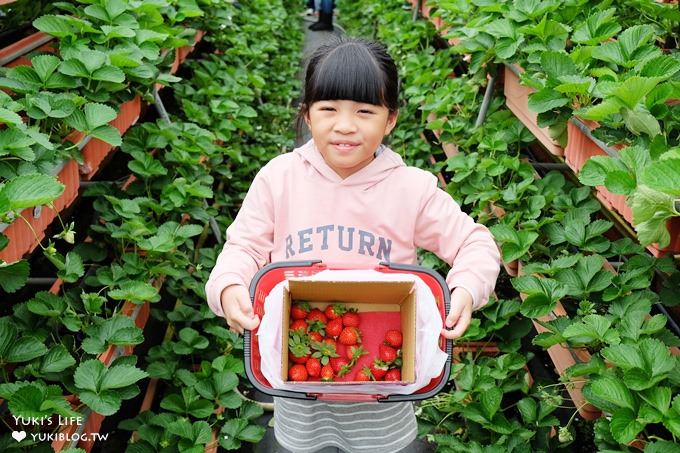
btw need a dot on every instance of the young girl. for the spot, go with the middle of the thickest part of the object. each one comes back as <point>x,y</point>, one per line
<point>345,198</point>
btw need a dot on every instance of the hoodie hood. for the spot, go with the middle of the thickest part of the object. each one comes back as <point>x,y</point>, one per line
<point>380,167</point>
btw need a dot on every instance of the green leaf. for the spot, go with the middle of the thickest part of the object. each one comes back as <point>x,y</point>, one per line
<point>640,121</point>
<point>121,376</point>
<point>528,410</point>
<point>88,374</point>
<point>491,401</point>
<point>108,134</point>
<point>27,191</point>
<point>56,360</point>
<point>104,403</point>
<point>620,182</point>
<point>663,176</point>
<point>73,268</point>
<point>135,291</point>
<point>25,349</point>
<point>624,356</point>
<point>624,426</point>
<point>546,100</point>
<point>98,114</point>
<point>558,64</point>
<point>46,304</point>
<point>55,25</point>
<point>45,65</point>
<point>613,391</point>
<point>14,276</point>
<point>109,74</point>
<point>658,397</point>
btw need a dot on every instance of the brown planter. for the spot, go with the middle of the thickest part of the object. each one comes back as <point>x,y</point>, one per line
<point>13,55</point>
<point>21,238</point>
<point>582,146</point>
<point>563,357</point>
<point>91,425</point>
<point>517,100</point>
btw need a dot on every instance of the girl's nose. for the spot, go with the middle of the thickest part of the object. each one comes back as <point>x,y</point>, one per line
<point>345,124</point>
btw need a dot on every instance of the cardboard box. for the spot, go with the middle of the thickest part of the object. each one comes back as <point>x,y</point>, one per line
<point>382,305</point>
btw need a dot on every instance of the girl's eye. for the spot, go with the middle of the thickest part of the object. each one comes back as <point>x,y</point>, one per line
<point>365,111</point>
<point>327,109</point>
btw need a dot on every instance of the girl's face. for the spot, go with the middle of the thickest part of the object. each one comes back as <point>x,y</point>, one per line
<point>347,133</point>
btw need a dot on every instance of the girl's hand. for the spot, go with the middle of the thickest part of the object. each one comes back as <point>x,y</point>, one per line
<point>238,310</point>
<point>460,314</point>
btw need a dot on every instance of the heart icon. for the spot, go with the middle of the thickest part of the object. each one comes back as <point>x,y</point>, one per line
<point>19,435</point>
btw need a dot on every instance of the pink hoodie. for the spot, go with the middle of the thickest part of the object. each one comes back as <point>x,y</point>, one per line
<point>298,208</point>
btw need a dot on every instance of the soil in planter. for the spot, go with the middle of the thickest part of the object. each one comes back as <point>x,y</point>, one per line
<point>504,289</point>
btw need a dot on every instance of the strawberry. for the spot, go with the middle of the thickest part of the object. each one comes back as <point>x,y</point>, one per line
<point>355,352</point>
<point>299,310</point>
<point>297,373</point>
<point>386,353</point>
<point>364,375</point>
<point>313,367</point>
<point>299,324</point>
<point>316,315</point>
<point>327,373</point>
<point>378,369</point>
<point>334,311</point>
<point>351,318</point>
<point>334,327</point>
<point>393,375</point>
<point>393,338</point>
<point>349,336</point>
<point>339,364</point>
<point>329,341</point>
<point>315,336</point>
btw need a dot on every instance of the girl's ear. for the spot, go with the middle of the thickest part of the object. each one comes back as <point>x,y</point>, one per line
<point>304,110</point>
<point>391,121</point>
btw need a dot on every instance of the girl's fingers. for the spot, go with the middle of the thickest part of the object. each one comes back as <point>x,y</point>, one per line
<point>462,325</point>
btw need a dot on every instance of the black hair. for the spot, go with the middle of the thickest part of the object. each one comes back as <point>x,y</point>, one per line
<point>352,69</point>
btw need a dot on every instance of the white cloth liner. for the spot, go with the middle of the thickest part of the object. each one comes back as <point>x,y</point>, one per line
<point>430,359</point>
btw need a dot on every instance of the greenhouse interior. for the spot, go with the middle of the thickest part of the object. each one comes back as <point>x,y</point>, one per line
<point>151,303</point>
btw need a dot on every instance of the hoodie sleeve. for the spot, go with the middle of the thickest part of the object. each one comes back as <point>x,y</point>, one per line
<point>454,236</point>
<point>250,239</point>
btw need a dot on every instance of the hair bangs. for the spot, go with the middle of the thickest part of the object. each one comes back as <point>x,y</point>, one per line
<point>349,72</point>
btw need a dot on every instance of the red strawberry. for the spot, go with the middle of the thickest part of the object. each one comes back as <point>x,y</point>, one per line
<point>363,375</point>
<point>349,336</point>
<point>329,341</point>
<point>387,353</point>
<point>316,315</point>
<point>313,367</point>
<point>338,364</point>
<point>334,311</point>
<point>351,319</point>
<point>327,373</point>
<point>298,359</point>
<point>393,375</point>
<point>315,336</point>
<point>297,373</point>
<point>299,324</point>
<point>299,310</point>
<point>378,369</point>
<point>393,338</point>
<point>355,352</point>
<point>334,327</point>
